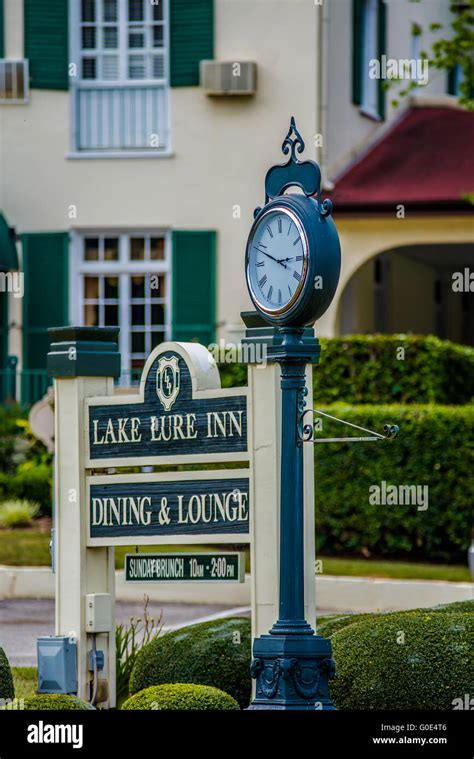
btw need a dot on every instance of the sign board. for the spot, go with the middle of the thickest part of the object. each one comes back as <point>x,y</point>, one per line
<point>185,567</point>
<point>166,508</point>
<point>181,415</point>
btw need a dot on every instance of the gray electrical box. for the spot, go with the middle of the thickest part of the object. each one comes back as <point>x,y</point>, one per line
<point>57,664</point>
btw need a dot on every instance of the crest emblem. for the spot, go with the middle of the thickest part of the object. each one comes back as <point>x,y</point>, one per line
<point>168,381</point>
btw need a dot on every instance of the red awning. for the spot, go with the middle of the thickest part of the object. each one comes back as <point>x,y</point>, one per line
<point>425,161</point>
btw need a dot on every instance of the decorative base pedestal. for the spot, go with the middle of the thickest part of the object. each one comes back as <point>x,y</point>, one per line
<point>292,672</point>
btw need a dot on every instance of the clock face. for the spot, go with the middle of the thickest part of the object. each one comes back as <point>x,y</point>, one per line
<point>277,258</point>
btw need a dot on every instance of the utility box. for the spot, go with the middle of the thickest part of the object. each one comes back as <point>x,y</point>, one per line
<point>98,612</point>
<point>57,664</point>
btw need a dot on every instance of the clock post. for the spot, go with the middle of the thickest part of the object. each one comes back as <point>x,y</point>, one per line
<point>291,664</point>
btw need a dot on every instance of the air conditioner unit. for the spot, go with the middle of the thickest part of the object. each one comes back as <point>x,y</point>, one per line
<point>14,83</point>
<point>228,77</point>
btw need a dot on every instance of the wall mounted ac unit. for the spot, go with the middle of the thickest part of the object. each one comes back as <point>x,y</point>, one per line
<point>228,77</point>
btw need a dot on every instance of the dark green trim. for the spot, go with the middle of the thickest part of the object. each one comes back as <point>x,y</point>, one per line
<point>452,81</point>
<point>357,48</point>
<point>8,251</point>
<point>191,39</point>
<point>2,31</point>
<point>84,352</point>
<point>45,257</point>
<point>381,50</point>
<point>193,312</point>
<point>46,28</point>
<point>3,329</point>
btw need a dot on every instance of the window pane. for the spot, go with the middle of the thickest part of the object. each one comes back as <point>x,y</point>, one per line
<point>158,67</point>
<point>157,10</point>
<point>157,248</point>
<point>137,248</point>
<point>157,286</point>
<point>91,249</point>
<point>110,37</point>
<point>111,248</point>
<point>138,287</point>
<point>91,315</point>
<point>136,37</point>
<point>157,314</point>
<point>110,67</point>
<point>137,314</point>
<point>110,10</point>
<point>157,338</point>
<point>157,36</point>
<point>91,288</point>
<point>136,67</point>
<point>111,287</point>
<point>89,68</point>
<point>88,37</point>
<point>138,342</point>
<point>88,10</point>
<point>110,316</point>
<point>135,10</point>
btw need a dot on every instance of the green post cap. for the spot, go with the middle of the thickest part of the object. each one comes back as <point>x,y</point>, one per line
<point>84,352</point>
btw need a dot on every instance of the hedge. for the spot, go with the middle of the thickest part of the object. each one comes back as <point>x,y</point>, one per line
<point>6,680</point>
<point>213,653</point>
<point>435,448</point>
<point>420,660</point>
<point>329,626</point>
<point>56,701</point>
<point>181,696</point>
<point>30,484</point>
<point>370,369</point>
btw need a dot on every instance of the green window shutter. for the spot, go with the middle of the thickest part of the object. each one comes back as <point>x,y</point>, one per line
<point>357,50</point>
<point>452,81</point>
<point>46,43</point>
<point>191,39</point>
<point>194,286</point>
<point>45,302</point>
<point>2,31</point>
<point>382,50</point>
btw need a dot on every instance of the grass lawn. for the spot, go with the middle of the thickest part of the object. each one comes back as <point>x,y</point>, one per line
<point>31,548</point>
<point>25,680</point>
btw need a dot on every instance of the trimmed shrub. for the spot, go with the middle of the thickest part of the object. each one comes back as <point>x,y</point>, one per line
<point>427,452</point>
<point>17,513</point>
<point>180,696</point>
<point>433,666</point>
<point>30,483</point>
<point>6,679</point>
<point>213,653</point>
<point>368,369</point>
<point>57,701</point>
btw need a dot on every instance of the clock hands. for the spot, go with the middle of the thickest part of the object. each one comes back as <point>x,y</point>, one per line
<point>280,261</point>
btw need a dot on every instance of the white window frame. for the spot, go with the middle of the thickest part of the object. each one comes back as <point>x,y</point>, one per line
<point>370,87</point>
<point>76,81</point>
<point>122,268</point>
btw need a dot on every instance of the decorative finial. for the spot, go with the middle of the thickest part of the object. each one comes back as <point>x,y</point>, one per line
<point>295,143</point>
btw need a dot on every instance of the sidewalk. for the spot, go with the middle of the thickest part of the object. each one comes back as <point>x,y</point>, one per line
<point>333,593</point>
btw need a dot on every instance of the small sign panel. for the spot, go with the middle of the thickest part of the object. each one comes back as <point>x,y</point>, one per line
<point>163,508</point>
<point>185,567</point>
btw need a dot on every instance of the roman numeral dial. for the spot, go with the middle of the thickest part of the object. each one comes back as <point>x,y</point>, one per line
<point>276,261</point>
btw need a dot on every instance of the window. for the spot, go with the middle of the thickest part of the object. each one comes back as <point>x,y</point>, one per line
<point>455,79</point>
<point>123,280</point>
<point>120,93</point>
<point>13,82</point>
<point>368,44</point>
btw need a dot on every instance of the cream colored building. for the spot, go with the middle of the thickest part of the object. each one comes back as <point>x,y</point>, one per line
<point>131,189</point>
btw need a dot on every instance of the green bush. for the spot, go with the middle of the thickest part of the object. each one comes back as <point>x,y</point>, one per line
<point>369,369</point>
<point>213,653</point>
<point>6,679</point>
<point>56,701</point>
<point>179,696</point>
<point>427,452</point>
<point>17,513</point>
<point>417,660</point>
<point>29,483</point>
